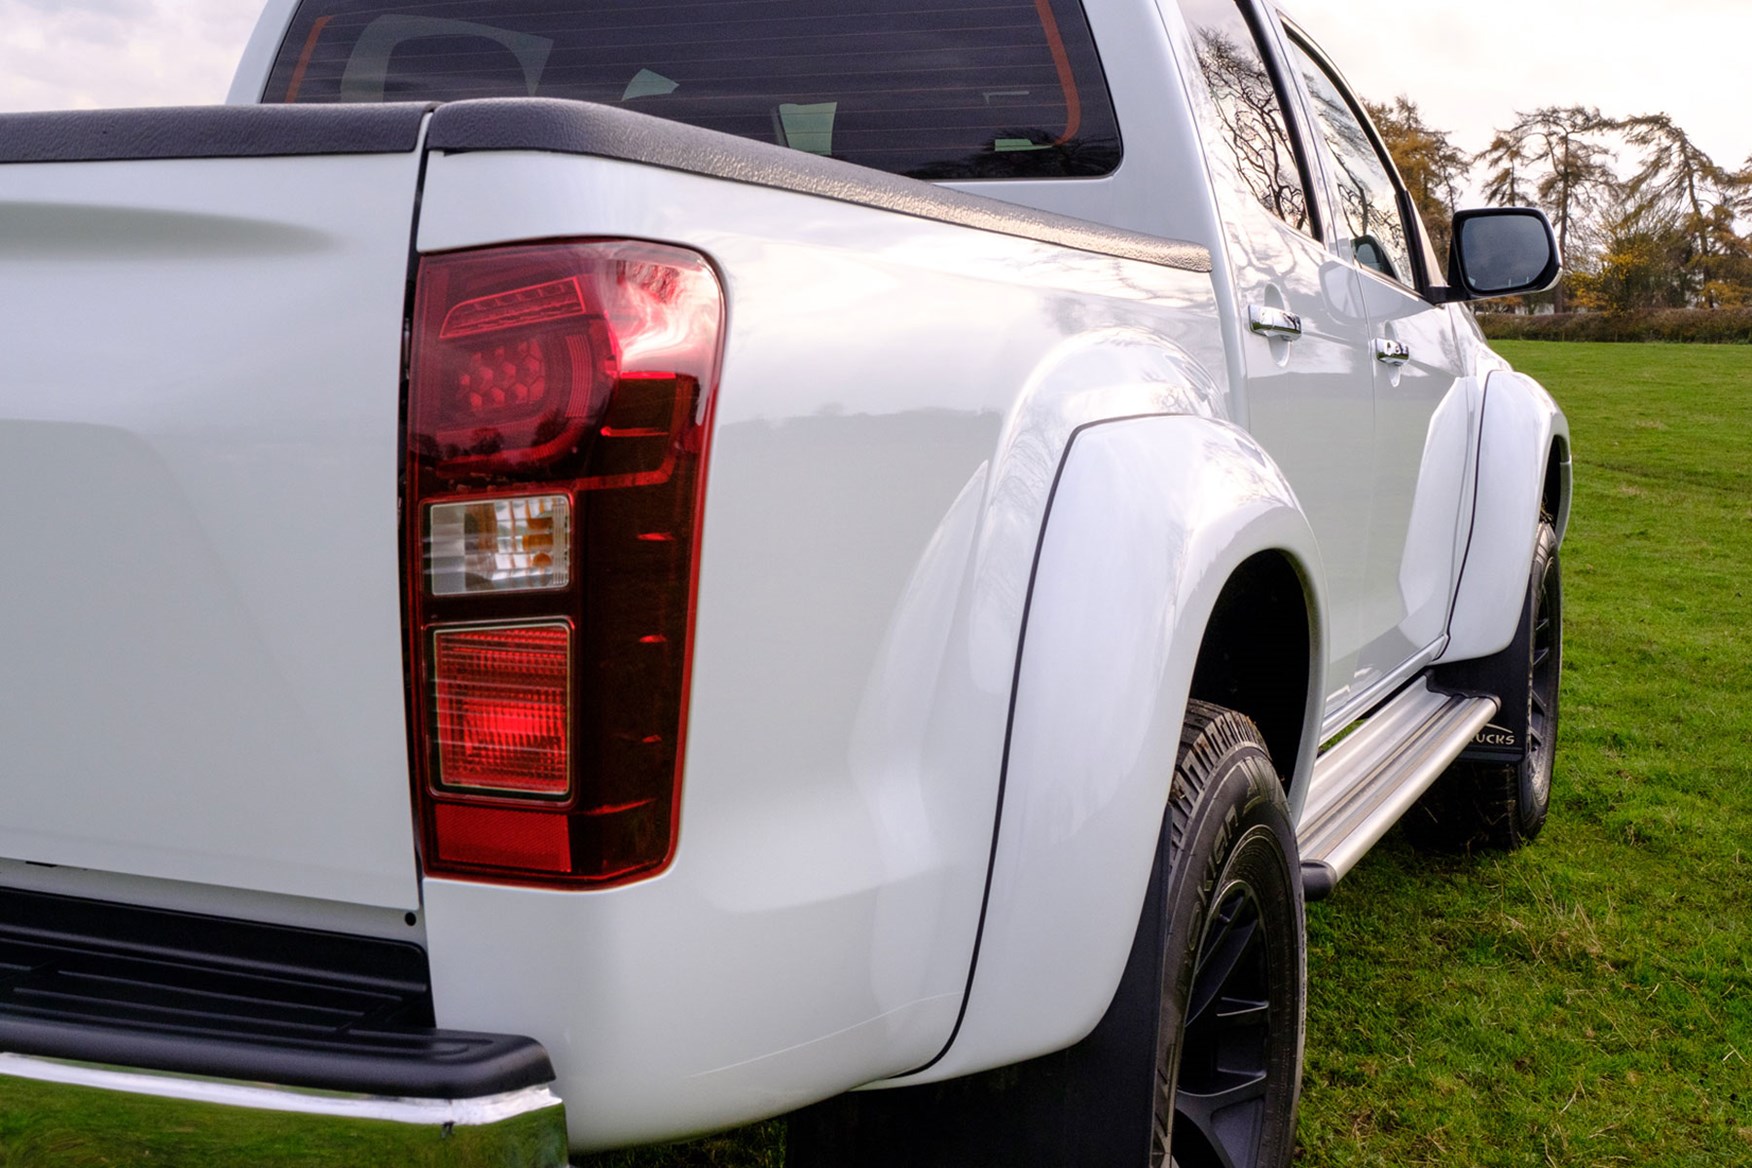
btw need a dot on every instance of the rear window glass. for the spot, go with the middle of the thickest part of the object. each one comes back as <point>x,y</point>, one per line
<point>944,89</point>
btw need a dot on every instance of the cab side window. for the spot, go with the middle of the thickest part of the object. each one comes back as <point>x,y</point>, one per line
<point>1367,215</point>
<point>1255,130</point>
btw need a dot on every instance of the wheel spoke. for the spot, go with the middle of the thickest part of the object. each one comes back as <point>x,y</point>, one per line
<point>1234,1013</point>
<point>1223,955</point>
<point>1226,1121</point>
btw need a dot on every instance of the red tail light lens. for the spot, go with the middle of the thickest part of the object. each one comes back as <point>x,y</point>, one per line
<point>502,697</point>
<point>559,399</point>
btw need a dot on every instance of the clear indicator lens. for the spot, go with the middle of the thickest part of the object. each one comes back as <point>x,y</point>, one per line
<point>499,545</point>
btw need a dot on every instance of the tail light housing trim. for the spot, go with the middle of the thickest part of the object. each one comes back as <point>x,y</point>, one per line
<point>559,408</point>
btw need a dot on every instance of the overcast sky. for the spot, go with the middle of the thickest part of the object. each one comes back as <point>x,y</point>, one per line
<point>1469,64</point>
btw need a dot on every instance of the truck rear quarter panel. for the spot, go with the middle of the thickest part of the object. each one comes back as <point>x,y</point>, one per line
<point>1150,518</point>
<point>896,398</point>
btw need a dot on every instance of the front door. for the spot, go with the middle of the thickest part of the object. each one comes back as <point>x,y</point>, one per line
<point>1423,416</point>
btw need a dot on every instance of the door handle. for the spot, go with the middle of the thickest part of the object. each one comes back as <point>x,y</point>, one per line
<point>1273,322</point>
<point>1391,352</point>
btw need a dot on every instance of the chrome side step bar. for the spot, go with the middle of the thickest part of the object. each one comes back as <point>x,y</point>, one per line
<point>1365,783</point>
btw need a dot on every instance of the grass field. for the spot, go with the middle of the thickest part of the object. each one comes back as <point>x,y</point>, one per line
<point>1588,1000</point>
<point>45,1125</point>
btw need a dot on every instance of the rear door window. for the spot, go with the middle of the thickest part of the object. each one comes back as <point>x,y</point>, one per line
<point>963,89</point>
<point>1254,129</point>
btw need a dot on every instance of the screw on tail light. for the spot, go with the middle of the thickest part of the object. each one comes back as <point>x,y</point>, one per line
<point>559,406</point>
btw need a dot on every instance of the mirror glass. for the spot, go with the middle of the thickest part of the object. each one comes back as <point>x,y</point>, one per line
<point>1503,252</point>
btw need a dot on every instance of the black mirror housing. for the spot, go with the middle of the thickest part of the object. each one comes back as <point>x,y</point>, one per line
<point>1502,251</point>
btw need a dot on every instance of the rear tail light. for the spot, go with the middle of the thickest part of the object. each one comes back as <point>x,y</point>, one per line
<point>557,422</point>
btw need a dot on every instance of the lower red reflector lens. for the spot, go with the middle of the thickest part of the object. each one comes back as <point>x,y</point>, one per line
<point>501,838</point>
<point>503,704</point>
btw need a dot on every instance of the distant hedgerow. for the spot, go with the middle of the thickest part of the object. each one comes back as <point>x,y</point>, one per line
<point>1711,326</point>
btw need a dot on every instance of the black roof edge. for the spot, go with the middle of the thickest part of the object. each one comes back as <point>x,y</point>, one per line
<point>573,127</point>
<point>210,131</point>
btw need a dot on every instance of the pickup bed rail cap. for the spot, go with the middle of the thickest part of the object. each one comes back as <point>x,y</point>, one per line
<point>220,131</point>
<point>575,127</point>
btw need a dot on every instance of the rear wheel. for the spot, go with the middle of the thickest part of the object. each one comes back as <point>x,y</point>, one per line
<point>1484,804</point>
<point>1197,1062</point>
<point>1230,1031</point>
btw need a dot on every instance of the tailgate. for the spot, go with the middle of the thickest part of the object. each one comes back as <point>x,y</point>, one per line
<point>200,615</point>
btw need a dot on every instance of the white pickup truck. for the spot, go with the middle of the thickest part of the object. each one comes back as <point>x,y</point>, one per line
<point>587,571</point>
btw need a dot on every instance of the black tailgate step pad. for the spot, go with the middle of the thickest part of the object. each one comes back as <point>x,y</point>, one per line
<point>190,994</point>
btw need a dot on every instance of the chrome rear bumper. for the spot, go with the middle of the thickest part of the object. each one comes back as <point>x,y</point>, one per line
<point>61,1114</point>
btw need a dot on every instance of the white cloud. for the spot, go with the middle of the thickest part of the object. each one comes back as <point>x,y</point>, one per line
<point>91,54</point>
<point>1471,64</point>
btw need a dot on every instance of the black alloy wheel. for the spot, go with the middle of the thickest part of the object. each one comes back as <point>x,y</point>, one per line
<point>1219,1094</point>
<point>1546,668</point>
<point>1198,1058</point>
<point>1480,803</point>
<point>1230,1030</point>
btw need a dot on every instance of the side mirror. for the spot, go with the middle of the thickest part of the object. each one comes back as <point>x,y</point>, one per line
<point>1502,251</point>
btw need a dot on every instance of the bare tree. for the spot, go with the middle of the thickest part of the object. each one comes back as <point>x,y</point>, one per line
<point>1679,182</point>
<point>1432,167</point>
<point>1509,185</point>
<point>1557,156</point>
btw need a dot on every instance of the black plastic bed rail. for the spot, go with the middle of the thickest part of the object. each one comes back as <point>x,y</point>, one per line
<point>189,994</point>
<point>217,131</point>
<point>547,125</point>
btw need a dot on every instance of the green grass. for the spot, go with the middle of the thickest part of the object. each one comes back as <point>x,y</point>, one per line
<point>759,1146</point>
<point>47,1125</point>
<point>1587,1000</point>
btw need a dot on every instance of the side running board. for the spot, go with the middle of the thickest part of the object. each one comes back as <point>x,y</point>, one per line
<point>1365,783</point>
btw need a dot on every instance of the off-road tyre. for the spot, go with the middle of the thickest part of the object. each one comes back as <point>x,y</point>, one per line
<point>1216,968</point>
<point>1479,804</point>
<point>1229,1038</point>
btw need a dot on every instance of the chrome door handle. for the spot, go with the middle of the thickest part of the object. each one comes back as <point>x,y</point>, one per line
<point>1273,322</point>
<point>1391,352</point>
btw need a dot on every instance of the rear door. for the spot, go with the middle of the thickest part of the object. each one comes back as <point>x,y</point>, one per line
<point>1309,393</point>
<point>200,611</point>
